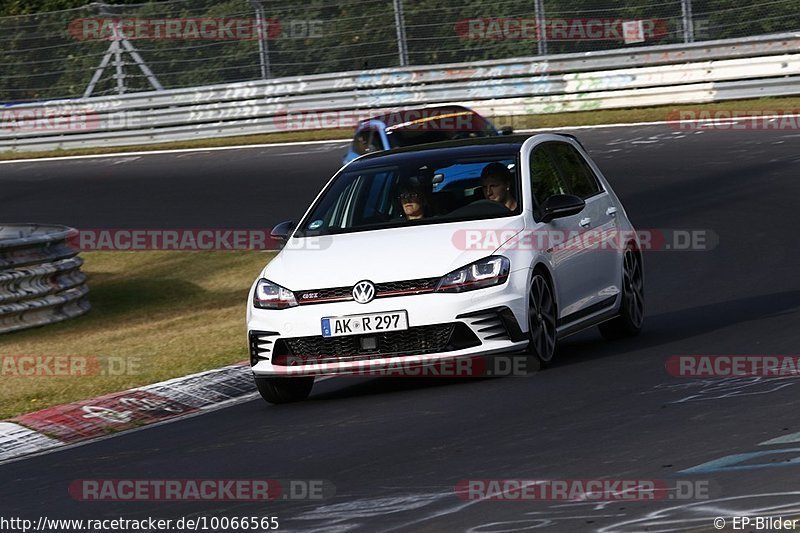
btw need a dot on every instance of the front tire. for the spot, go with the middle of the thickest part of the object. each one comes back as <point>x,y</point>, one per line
<point>284,390</point>
<point>541,320</point>
<point>631,310</point>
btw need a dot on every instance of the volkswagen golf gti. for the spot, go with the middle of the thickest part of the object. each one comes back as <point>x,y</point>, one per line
<point>437,252</point>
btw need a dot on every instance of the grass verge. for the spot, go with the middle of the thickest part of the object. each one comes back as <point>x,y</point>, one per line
<point>163,314</point>
<point>650,114</point>
<point>554,120</point>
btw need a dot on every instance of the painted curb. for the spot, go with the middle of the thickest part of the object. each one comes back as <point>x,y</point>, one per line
<point>85,420</point>
<point>16,441</point>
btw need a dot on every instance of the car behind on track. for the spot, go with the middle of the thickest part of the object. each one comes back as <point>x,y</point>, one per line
<point>398,129</point>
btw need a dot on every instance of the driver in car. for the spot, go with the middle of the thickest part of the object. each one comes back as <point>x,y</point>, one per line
<point>415,202</point>
<point>496,180</point>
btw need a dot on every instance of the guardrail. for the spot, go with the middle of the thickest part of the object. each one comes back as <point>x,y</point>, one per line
<point>40,277</point>
<point>656,75</point>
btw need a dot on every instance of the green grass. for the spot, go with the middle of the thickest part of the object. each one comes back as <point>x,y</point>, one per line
<point>169,313</point>
<point>554,120</point>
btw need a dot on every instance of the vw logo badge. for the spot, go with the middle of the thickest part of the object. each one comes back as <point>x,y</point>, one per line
<point>364,292</point>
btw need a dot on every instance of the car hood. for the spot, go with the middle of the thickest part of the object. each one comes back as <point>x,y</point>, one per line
<point>392,254</point>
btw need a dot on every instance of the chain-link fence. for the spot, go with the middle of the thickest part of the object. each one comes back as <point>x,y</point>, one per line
<point>114,48</point>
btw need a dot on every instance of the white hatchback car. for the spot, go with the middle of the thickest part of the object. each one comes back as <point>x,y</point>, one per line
<point>443,251</point>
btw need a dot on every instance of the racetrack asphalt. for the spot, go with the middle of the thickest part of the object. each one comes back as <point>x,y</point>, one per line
<point>396,448</point>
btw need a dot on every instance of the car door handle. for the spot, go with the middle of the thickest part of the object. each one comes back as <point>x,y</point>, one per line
<point>611,211</point>
<point>584,222</point>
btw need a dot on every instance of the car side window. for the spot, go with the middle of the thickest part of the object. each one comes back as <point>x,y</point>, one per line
<point>545,178</point>
<point>575,171</point>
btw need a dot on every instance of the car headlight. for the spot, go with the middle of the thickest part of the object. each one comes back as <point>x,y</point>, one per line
<point>484,273</point>
<point>270,295</point>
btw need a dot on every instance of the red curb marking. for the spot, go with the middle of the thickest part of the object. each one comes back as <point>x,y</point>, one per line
<point>94,418</point>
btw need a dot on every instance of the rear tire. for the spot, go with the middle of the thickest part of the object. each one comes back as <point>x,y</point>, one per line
<point>631,310</point>
<point>284,390</point>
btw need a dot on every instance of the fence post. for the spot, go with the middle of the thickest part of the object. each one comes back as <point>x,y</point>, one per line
<point>688,23</point>
<point>541,27</point>
<point>400,24</point>
<point>263,45</point>
<point>119,63</point>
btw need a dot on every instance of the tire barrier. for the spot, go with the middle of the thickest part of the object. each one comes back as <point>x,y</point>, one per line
<point>40,278</point>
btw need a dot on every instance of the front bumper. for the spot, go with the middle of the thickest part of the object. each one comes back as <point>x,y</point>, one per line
<point>442,326</point>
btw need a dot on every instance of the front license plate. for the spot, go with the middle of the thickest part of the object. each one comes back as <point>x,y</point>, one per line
<point>360,324</point>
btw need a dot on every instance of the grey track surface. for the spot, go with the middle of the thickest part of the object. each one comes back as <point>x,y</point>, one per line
<point>251,188</point>
<point>395,449</point>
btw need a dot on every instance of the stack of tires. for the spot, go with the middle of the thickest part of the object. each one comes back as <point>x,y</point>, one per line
<point>40,277</point>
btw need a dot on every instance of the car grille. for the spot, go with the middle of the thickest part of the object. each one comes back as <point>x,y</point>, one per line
<point>418,340</point>
<point>409,286</point>
<point>319,296</point>
<point>382,290</point>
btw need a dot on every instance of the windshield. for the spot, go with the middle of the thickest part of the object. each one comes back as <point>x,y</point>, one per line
<point>418,192</point>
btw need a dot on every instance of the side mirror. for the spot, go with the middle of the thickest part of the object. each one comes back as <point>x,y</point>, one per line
<point>561,205</point>
<point>282,231</point>
<point>506,130</point>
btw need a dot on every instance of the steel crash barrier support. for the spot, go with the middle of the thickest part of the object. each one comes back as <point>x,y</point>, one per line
<point>694,73</point>
<point>40,277</point>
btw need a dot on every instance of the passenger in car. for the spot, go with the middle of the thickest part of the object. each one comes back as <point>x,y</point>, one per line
<point>496,180</point>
